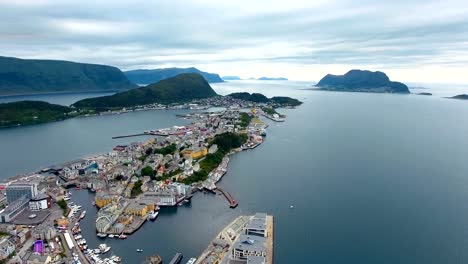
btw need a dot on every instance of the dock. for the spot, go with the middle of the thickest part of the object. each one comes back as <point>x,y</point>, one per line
<point>176,259</point>
<point>232,202</point>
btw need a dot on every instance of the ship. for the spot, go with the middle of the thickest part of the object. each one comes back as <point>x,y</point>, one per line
<point>102,235</point>
<point>122,236</point>
<point>139,250</point>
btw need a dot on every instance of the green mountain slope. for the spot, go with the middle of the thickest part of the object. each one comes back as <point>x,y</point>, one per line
<point>19,76</point>
<point>181,88</point>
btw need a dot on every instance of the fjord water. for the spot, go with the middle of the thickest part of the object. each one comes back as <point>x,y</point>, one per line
<point>374,178</point>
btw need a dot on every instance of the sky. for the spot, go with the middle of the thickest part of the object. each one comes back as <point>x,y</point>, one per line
<point>411,40</point>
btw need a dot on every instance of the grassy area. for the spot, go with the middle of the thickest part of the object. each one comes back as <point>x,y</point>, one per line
<point>136,189</point>
<point>63,206</point>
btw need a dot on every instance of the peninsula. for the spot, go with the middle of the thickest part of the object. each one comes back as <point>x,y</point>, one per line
<point>133,181</point>
<point>361,81</point>
<point>32,112</point>
<point>156,75</point>
<point>24,76</point>
<point>260,98</point>
<point>184,91</point>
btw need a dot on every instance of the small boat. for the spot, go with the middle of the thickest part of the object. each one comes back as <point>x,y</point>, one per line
<point>292,206</point>
<point>110,236</point>
<point>83,214</point>
<point>192,261</point>
<point>104,248</point>
<point>122,236</point>
<point>152,215</point>
<point>77,188</point>
<point>115,258</point>
<point>101,235</point>
<point>139,250</point>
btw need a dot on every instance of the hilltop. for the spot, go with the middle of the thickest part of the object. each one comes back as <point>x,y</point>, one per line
<point>156,75</point>
<point>362,81</point>
<point>24,76</point>
<point>181,88</point>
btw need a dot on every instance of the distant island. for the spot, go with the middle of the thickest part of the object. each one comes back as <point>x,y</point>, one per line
<point>31,112</point>
<point>156,75</point>
<point>460,96</point>
<point>272,79</point>
<point>260,98</point>
<point>362,81</point>
<point>237,78</point>
<point>231,78</point>
<point>25,76</point>
<point>181,88</point>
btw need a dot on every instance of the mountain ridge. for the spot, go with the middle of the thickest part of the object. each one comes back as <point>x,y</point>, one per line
<point>148,76</point>
<point>35,76</point>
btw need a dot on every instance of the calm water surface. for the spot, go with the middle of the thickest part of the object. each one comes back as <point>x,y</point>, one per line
<point>374,178</point>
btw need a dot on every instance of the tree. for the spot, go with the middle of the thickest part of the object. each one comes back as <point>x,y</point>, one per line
<point>147,171</point>
<point>149,151</point>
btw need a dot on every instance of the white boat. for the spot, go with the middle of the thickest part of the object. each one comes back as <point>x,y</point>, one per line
<point>192,261</point>
<point>139,250</point>
<point>122,236</point>
<point>152,215</point>
<point>83,214</point>
<point>111,236</point>
<point>116,258</point>
<point>104,248</point>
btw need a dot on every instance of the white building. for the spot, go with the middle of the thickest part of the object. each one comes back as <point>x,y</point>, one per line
<point>40,202</point>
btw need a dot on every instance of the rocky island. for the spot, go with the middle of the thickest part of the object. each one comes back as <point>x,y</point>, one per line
<point>361,81</point>
<point>460,97</point>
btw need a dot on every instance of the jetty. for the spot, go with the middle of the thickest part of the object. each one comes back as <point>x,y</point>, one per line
<point>232,202</point>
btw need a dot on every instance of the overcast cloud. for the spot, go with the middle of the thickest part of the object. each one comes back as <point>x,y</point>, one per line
<point>413,40</point>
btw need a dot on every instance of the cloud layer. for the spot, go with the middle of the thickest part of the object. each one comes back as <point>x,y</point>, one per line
<point>412,40</point>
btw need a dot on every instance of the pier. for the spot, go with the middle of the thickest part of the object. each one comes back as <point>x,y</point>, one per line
<point>143,134</point>
<point>232,202</point>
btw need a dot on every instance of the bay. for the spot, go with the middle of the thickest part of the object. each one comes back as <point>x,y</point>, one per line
<point>374,178</point>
